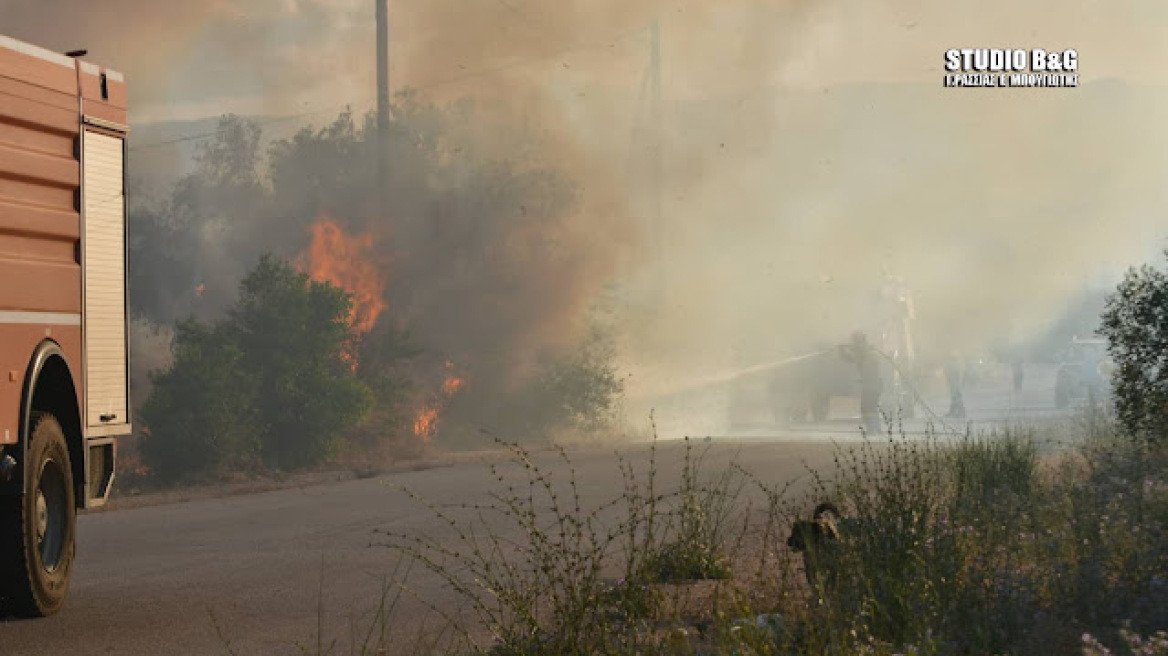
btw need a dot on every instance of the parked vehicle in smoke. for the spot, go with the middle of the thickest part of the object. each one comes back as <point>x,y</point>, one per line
<point>1083,373</point>
<point>63,344</point>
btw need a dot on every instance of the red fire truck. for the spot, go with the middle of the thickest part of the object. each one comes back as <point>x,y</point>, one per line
<point>64,392</point>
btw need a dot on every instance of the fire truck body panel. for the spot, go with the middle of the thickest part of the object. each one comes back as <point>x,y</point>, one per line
<point>63,256</point>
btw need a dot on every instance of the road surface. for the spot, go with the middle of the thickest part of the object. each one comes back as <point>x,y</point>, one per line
<point>243,574</point>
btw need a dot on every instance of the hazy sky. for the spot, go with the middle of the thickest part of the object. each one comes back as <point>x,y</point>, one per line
<point>190,59</point>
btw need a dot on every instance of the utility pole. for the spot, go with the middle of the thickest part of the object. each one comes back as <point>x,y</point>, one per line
<point>382,9</point>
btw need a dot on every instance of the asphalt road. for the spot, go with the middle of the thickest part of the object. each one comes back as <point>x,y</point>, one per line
<point>243,574</point>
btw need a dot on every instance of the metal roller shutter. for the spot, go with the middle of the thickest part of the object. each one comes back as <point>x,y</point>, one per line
<point>104,243</point>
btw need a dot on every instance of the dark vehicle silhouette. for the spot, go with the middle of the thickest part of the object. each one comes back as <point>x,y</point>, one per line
<point>1084,372</point>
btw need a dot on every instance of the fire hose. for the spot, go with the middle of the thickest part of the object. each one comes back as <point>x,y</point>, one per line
<point>727,377</point>
<point>916,393</point>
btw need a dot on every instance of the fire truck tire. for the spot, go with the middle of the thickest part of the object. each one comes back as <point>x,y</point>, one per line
<point>37,526</point>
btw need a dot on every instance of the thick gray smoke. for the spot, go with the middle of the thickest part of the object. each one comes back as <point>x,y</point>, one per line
<point>808,146</point>
<point>498,234</point>
<point>485,250</point>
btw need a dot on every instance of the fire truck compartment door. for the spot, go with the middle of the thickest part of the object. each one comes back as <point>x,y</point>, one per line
<point>104,276</point>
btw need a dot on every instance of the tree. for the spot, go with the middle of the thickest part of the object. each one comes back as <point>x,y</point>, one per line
<point>292,334</point>
<point>200,412</point>
<point>585,385</point>
<point>1135,322</point>
<point>267,384</point>
<point>188,252</point>
<point>163,274</point>
<point>576,389</point>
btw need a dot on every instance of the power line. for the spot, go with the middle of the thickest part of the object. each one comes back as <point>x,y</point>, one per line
<point>217,131</point>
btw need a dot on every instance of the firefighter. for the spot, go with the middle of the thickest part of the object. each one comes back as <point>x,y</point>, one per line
<point>1019,373</point>
<point>953,379</point>
<point>871,384</point>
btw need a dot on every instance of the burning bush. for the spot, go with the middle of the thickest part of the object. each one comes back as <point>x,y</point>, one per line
<point>569,391</point>
<point>349,264</point>
<point>485,252</point>
<point>268,384</point>
<point>385,363</point>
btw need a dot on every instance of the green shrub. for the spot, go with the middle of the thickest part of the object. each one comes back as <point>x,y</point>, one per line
<point>993,469</point>
<point>893,494</point>
<point>293,332</point>
<point>265,385</point>
<point>971,547</point>
<point>578,389</point>
<point>200,413</point>
<point>694,547</point>
<point>1135,322</point>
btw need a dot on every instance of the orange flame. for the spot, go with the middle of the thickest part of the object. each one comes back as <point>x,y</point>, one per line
<point>426,421</point>
<point>451,386</point>
<point>345,262</point>
<point>199,289</point>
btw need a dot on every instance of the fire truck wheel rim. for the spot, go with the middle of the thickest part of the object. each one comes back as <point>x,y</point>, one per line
<point>50,514</point>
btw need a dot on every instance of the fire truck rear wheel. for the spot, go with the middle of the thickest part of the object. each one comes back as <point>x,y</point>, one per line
<point>37,526</point>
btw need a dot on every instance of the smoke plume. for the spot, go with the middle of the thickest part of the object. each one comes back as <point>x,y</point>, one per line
<point>808,148</point>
